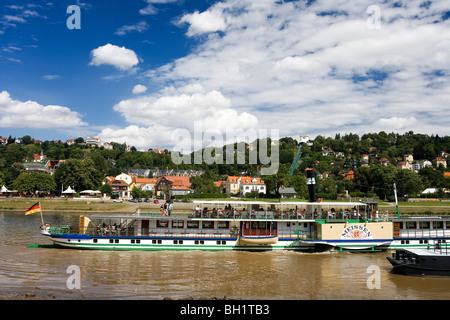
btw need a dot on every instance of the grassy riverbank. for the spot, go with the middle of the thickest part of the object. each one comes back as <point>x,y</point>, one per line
<point>82,205</point>
<point>108,206</point>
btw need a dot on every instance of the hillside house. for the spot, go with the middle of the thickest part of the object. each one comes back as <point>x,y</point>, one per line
<point>232,185</point>
<point>248,184</point>
<point>173,184</point>
<point>287,192</point>
<point>441,162</point>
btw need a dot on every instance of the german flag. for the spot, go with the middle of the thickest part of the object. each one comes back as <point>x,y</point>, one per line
<point>34,208</point>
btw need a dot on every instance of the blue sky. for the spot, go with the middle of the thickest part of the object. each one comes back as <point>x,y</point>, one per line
<point>139,70</point>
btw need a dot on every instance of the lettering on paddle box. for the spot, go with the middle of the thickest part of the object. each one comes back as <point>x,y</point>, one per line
<point>356,231</point>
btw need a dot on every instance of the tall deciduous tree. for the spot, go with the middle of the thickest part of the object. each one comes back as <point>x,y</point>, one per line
<point>408,183</point>
<point>32,182</point>
<point>78,174</point>
<point>383,178</point>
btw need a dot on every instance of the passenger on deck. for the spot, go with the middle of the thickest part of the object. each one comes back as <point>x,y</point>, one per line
<point>197,211</point>
<point>170,208</point>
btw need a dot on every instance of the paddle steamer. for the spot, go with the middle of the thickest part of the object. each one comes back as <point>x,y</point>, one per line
<point>254,226</point>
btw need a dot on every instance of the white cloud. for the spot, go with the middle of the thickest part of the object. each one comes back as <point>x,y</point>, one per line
<point>119,57</point>
<point>319,67</point>
<point>51,76</point>
<point>181,110</point>
<point>8,17</point>
<point>151,9</point>
<point>31,114</point>
<point>139,88</point>
<point>205,22</point>
<point>157,117</point>
<point>300,68</point>
<point>140,27</point>
<point>142,138</point>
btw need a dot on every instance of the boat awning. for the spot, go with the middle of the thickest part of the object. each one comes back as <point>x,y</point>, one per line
<point>283,203</point>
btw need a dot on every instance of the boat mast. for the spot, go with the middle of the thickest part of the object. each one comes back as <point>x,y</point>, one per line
<point>396,201</point>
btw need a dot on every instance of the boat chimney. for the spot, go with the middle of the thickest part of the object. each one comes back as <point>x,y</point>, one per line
<point>311,182</point>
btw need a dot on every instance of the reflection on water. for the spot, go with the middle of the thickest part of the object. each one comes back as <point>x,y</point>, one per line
<point>42,273</point>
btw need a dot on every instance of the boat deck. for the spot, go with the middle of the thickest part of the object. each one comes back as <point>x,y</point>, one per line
<point>430,252</point>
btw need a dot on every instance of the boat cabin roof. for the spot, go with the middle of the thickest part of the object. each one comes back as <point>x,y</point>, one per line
<point>288,203</point>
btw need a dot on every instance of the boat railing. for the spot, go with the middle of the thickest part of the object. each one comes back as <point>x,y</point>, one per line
<point>438,245</point>
<point>260,232</point>
<point>255,215</point>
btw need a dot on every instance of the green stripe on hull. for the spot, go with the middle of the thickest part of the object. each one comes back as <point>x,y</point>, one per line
<point>177,247</point>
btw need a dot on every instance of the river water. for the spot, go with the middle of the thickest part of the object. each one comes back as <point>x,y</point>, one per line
<point>43,273</point>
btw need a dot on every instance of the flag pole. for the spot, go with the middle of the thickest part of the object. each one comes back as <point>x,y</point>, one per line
<point>42,217</point>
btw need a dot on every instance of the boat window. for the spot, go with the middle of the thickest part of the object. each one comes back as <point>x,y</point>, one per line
<point>177,224</point>
<point>162,223</point>
<point>439,225</point>
<point>259,225</point>
<point>207,224</point>
<point>192,224</point>
<point>411,225</point>
<point>95,240</point>
<point>425,224</point>
<point>223,224</point>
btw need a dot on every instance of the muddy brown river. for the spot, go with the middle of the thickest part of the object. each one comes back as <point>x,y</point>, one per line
<point>47,273</point>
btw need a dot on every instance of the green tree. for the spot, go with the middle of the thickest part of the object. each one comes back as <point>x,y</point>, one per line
<point>32,182</point>
<point>13,154</point>
<point>106,188</point>
<point>408,183</point>
<point>24,183</point>
<point>383,178</point>
<point>203,184</point>
<point>362,179</point>
<point>298,182</point>
<point>79,174</point>
<point>136,192</point>
<point>12,172</point>
<point>275,181</point>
